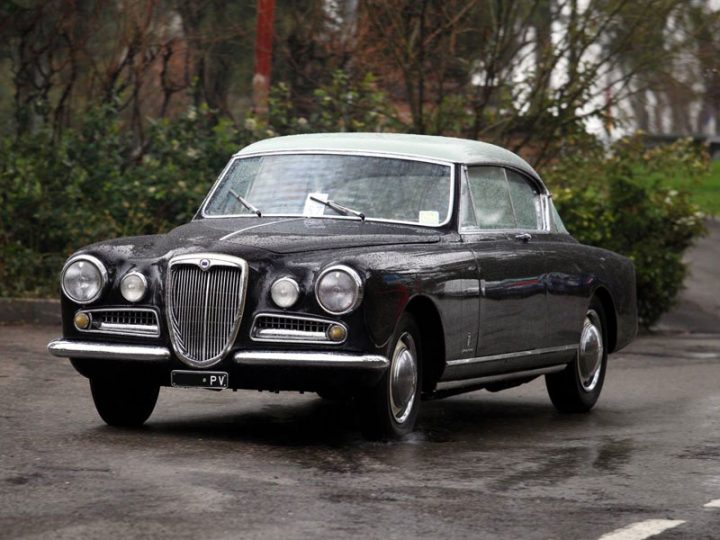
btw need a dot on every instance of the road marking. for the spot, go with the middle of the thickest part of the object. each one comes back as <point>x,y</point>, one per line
<point>642,529</point>
<point>713,504</point>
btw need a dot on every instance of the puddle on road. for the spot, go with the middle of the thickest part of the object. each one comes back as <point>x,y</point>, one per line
<point>614,455</point>
<point>703,355</point>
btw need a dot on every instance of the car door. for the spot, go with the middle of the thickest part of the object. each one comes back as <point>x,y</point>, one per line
<point>570,280</point>
<point>501,215</point>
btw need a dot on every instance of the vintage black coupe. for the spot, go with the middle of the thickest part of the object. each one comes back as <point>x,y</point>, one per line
<point>380,268</point>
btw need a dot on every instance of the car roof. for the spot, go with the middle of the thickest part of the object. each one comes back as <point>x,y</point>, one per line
<point>450,149</point>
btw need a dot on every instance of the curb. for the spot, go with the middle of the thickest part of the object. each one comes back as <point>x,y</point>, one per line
<point>30,310</point>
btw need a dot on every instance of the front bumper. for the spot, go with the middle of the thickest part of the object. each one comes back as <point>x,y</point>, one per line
<point>310,359</point>
<point>152,354</point>
<point>109,351</point>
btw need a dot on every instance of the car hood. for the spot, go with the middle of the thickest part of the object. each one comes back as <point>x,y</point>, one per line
<point>295,235</point>
<point>250,238</point>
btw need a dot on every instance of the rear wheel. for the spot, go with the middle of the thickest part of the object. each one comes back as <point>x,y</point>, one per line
<point>123,403</point>
<point>390,409</point>
<point>577,388</point>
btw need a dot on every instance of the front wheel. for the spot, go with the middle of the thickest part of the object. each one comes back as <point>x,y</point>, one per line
<point>577,388</point>
<point>123,403</point>
<point>390,409</point>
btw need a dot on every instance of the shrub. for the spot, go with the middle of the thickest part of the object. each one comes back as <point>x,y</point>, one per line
<point>620,201</point>
<point>95,182</point>
<point>341,105</point>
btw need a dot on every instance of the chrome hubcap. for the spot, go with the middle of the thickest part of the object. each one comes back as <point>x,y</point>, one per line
<point>590,352</point>
<point>403,378</point>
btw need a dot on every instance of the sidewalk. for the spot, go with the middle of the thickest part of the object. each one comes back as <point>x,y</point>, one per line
<point>698,305</point>
<point>671,347</point>
<point>30,311</point>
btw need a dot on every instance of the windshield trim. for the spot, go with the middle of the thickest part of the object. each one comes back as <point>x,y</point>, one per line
<point>390,155</point>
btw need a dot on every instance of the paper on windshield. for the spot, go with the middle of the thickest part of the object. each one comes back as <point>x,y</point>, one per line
<point>314,208</point>
<point>429,217</point>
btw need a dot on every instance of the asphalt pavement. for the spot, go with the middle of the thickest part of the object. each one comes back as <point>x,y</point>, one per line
<point>645,461</point>
<point>252,465</point>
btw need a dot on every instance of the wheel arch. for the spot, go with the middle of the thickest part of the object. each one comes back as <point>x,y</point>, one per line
<point>611,318</point>
<point>432,339</point>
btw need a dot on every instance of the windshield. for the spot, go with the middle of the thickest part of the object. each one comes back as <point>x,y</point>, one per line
<point>302,185</point>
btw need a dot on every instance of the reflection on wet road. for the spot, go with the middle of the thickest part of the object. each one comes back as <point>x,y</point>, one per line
<point>257,465</point>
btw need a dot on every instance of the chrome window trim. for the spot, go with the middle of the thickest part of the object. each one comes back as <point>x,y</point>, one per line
<point>407,157</point>
<point>142,278</point>
<point>508,356</point>
<point>216,259</point>
<point>356,278</point>
<point>103,275</point>
<point>544,221</point>
<point>123,329</point>
<point>545,202</point>
<point>279,339</point>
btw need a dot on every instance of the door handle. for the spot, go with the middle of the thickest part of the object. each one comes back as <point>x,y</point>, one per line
<point>523,237</point>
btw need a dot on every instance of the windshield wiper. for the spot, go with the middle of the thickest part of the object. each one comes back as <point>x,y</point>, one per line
<point>344,210</point>
<point>246,204</point>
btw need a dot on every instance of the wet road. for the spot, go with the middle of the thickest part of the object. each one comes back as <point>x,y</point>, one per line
<point>229,465</point>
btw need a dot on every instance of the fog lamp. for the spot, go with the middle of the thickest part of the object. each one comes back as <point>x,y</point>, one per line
<point>81,320</point>
<point>336,333</point>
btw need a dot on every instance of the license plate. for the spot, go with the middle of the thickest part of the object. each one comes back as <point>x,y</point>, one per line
<point>199,379</point>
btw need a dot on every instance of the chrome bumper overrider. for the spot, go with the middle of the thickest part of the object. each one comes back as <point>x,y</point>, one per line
<point>309,359</point>
<point>107,351</point>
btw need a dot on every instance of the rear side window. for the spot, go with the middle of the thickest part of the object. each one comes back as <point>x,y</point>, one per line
<point>556,222</point>
<point>500,199</point>
<point>526,201</point>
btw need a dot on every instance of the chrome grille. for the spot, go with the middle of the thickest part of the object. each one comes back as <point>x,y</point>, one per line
<point>271,327</point>
<point>296,325</point>
<point>123,321</point>
<point>206,293</point>
<point>130,318</point>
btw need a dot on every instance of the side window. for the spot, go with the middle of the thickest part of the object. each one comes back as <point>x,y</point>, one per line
<point>490,194</point>
<point>525,200</point>
<point>501,199</point>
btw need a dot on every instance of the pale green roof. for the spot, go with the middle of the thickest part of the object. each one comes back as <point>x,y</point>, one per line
<point>427,146</point>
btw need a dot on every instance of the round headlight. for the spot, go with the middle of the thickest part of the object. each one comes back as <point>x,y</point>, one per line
<point>133,286</point>
<point>338,289</point>
<point>83,279</point>
<point>285,292</point>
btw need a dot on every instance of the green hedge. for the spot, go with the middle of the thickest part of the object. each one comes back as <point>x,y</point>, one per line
<point>619,200</point>
<point>95,182</point>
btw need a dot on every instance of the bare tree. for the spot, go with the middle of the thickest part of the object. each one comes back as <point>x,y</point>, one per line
<point>526,73</point>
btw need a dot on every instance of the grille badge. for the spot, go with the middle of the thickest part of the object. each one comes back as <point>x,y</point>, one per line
<point>204,264</point>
